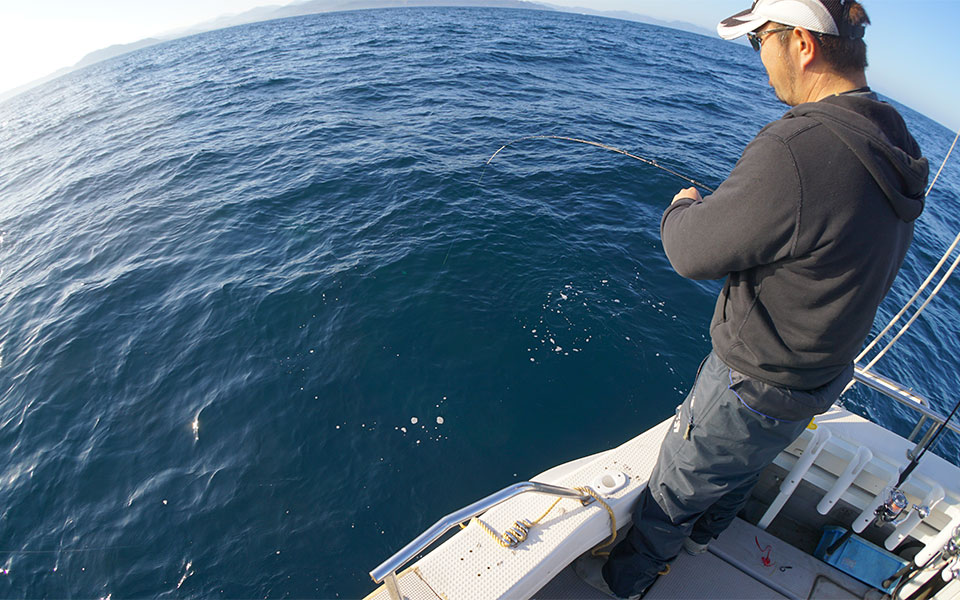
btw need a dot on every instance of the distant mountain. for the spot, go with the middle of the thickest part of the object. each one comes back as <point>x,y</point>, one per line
<point>632,16</point>
<point>115,50</point>
<point>92,58</point>
<point>309,7</point>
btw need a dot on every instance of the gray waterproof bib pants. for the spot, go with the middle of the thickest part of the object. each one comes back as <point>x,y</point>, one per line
<point>726,431</point>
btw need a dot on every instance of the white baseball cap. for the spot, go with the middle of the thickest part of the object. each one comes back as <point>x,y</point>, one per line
<point>819,16</point>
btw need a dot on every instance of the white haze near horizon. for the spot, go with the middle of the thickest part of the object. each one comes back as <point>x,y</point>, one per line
<point>913,48</point>
<point>38,37</point>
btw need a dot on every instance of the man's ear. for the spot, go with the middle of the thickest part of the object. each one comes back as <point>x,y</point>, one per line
<point>805,46</point>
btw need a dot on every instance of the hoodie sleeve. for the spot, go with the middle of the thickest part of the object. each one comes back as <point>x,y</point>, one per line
<point>750,220</point>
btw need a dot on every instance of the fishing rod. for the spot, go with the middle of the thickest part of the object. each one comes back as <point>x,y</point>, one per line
<point>648,161</point>
<point>896,501</point>
<point>946,560</point>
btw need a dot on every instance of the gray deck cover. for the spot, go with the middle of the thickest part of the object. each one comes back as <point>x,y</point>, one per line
<point>745,563</point>
<point>705,577</point>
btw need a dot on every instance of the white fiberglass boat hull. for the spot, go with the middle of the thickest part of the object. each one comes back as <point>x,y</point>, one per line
<point>472,565</point>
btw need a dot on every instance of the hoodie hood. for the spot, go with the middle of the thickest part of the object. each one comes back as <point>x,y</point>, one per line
<point>893,159</point>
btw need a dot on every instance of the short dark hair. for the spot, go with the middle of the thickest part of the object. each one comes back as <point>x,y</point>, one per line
<point>847,54</point>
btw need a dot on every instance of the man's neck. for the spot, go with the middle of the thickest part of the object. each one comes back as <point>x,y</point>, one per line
<point>832,85</point>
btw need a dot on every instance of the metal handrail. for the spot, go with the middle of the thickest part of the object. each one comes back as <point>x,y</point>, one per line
<point>386,571</point>
<point>907,398</point>
<point>422,541</point>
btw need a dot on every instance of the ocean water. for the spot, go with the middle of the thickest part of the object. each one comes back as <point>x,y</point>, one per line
<point>262,322</point>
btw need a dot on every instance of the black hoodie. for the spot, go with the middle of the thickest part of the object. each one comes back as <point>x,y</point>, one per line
<point>810,230</point>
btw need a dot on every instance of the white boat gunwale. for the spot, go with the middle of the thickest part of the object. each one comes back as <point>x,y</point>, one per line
<point>894,450</point>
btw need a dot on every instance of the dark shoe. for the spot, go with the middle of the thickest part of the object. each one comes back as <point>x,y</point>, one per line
<point>590,569</point>
<point>693,548</point>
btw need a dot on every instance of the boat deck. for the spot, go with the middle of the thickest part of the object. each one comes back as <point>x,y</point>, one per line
<point>745,563</point>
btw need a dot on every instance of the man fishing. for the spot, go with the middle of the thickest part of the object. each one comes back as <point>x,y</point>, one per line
<point>809,230</point>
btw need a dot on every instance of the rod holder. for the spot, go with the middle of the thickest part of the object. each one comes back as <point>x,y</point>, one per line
<point>820,438</point>
<point>863,457</point>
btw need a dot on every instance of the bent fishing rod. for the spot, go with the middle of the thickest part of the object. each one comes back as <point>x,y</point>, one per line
<point>896,501</point>
<point>648,161</point>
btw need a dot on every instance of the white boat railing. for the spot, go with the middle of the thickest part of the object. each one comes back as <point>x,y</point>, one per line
<point>907,398</point>
<point>386,572</point>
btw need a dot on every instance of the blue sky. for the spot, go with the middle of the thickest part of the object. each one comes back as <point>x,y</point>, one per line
<point>913,44</point>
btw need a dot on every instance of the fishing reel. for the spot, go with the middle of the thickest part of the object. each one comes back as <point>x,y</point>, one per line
<point>951,552</point>
<point>895,508</point>
<point>952,547</point>
<point>892,507</point>
<point>952,570</point>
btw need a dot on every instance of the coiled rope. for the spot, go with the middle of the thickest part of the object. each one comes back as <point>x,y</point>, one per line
<point>916,295</point>
<point>515,535</point>
<point>648,161</point>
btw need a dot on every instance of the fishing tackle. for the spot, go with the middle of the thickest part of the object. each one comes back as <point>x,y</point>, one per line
<point>947,560</point>
<point>648,161</point>
<point>896,502</point>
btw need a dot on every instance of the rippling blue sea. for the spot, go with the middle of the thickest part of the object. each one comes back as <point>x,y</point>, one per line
<point>261,323</point>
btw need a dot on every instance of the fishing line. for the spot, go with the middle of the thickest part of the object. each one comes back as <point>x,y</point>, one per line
<point>648,161</point>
